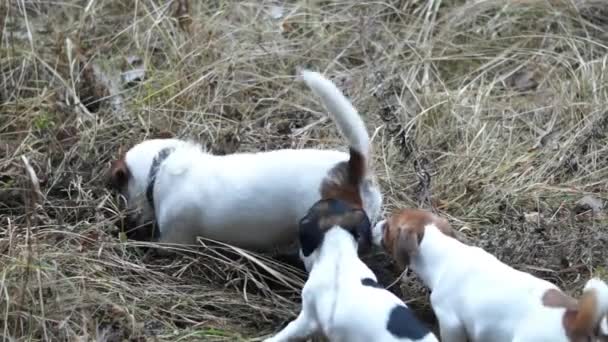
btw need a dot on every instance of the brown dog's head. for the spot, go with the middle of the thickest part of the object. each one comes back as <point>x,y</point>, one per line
<point>401,234</point>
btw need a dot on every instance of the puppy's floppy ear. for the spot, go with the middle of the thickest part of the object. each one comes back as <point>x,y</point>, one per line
<point>364,230</point>
<point>119,174</point>
<point>445,227</point>
<point>406,246</point>
<point>310,235</point>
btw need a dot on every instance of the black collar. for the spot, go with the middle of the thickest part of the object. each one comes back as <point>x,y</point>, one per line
<point>158,159</point>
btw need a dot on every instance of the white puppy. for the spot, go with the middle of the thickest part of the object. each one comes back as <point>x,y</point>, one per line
<point>478,298</point>
<point>250,200</point>
<point>341,298</point>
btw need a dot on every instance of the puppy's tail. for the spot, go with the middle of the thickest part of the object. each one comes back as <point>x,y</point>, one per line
<point>347,119</point>
<point>592,307</point>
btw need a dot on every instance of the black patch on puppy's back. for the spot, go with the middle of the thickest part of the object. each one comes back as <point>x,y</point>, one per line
<point>371,282</point>
<point>402,323</point>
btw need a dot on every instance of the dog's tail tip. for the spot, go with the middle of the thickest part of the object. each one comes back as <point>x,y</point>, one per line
<point>340,109</point>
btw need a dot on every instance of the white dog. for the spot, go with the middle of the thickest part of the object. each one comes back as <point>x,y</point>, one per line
<point>250,200</point>
<point>477,298</point>
<point>341,298</point>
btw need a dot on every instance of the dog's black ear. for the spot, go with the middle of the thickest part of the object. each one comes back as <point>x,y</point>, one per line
<point>364,230</point>
<point>311,235</point>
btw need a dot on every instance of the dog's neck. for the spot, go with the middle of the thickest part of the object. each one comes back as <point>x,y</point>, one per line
<point>429,261</point>
<point>154,168</point>
<point>156,162</point>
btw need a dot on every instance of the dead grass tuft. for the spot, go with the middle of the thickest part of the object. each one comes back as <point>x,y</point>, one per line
<point>491,112</point>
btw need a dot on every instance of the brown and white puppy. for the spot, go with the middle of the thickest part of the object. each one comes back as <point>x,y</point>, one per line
<point>476,297</point>
<point>249,200</point>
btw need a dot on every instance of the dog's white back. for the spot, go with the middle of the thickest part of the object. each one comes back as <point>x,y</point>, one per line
<point>239,199</point>
<point>483,296</point>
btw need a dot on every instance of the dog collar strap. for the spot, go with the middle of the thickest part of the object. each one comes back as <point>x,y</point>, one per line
<point>160,157</point>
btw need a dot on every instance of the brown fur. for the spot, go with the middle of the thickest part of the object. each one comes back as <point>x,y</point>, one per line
<point>344,180</point>
<point>579,319</point>
<point>119,174</point>
<point>119,171</point>
<point>581,323</point>
<point>555,298</point>
<point>405,230</point>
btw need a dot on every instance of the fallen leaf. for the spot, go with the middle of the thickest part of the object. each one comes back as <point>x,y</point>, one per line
<point>589,203</point>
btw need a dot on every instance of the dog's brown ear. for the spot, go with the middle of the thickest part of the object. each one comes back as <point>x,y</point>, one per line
<point>444,226</point>
<point>119,174</point>
<point>363,228</point>
<point>554,298</point>
<point>406,246</point>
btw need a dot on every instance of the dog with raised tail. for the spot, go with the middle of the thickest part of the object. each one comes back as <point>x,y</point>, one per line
<point>478,298</point>
<point>249,200</point>
<point>342,299</point>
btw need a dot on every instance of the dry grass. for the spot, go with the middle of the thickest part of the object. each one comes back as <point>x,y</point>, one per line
<point>491,112</point>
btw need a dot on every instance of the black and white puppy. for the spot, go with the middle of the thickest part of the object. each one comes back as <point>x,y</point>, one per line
<point>341,298</point>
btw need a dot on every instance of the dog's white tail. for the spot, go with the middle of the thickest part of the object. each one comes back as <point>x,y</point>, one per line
<point>593,306</point>
<point>341,111</point>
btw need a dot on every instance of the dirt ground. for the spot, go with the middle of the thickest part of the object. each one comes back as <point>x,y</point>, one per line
<point>491,113</point>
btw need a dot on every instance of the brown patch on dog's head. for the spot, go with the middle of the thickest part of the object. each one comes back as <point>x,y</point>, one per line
<point>326,214</point>
<point>404,231</point>
<point>579,319</point>
<point>344,180</point>
<point>119,174</point>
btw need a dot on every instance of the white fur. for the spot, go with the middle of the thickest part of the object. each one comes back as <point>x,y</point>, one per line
<point>477,296</point>
<point>251,200</point>
<point>345,115</point>
<point>335,303</point>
